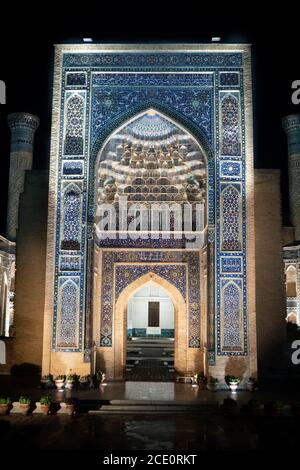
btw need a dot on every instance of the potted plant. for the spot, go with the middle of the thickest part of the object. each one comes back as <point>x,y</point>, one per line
<point>85,381</point>
<point>5,404</point>
<point>70,405</point>
<point>45,403</point>
<point>233,382</point>
<point>200,379</point>
<point>212,384</point>
<point>273,408</point>
<point>251,384</point>
<point>71,381</point>
<point>47,381</point>
<point>24,404</point>
<point>229,406</point>
<point>98,378</point>
<point>252,408</point>
<point>59,381</point>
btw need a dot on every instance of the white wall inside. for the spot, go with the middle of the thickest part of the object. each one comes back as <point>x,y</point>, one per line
<point>2,353</point>
<point>137,310</point>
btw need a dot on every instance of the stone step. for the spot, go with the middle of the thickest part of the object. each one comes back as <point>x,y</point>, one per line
<point>156,408</point>
<point>154,358</point>
<point>148,401</point>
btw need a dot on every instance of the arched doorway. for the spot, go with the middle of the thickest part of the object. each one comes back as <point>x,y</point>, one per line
<point>150,161</point>
<point>150,335</point>
<point>121,322</point>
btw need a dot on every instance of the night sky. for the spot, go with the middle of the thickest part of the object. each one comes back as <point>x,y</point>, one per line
<point>26,63</point>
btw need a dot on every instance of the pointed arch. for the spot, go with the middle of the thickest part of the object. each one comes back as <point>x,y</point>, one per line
<point>120,322</point>
<point>231,318</point>
<point>3,304</point>
<point>134,114</point>
<point>291,281</point>
<point>74,118</point>
<point>71,216</point>
<point>67,330</point>
<point>230,124</point>
<point>230,217</point>
<point>168,113</point>
<point>142,315</point>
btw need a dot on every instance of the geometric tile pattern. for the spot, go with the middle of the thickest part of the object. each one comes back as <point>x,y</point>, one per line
<point>229,79</point>
<point>68,315</point>
<point>182,265</point>
<point>202,92</point>
<point>231,312</point>
<point>231,264</point>
<point>231,144</point>
<point>230,219</point>
<point>174,273</point>
<point>74,125</point>
<point>71,219</point>
<point>230,168</point>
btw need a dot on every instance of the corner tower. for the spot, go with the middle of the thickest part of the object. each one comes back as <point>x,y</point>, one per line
<point>22,127</point>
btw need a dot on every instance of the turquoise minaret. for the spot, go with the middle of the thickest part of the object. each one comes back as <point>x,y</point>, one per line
<point>291,125</point>
<point>22,127</point>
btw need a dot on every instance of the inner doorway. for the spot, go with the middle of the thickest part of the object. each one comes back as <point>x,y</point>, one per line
<point>150,335</point>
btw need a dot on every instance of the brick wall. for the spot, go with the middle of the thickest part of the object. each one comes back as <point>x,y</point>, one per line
<point>26,347</point>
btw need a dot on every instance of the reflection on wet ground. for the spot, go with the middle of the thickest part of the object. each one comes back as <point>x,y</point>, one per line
<point>147,432</point>
<point>201,424</point>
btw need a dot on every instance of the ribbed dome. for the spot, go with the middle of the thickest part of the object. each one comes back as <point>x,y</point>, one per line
<point>151,126</point>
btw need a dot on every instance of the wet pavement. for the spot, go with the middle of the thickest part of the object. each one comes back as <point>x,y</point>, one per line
<point>168,433</point>
<point>216,429</point>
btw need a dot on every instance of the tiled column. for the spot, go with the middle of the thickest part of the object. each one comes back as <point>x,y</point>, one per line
<point>22,127</point>
<point>291,125</point>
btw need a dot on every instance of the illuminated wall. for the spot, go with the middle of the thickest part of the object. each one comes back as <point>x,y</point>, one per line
<point>205,89</point>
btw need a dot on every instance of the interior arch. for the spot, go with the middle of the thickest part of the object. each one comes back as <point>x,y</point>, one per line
<point>120,322</point>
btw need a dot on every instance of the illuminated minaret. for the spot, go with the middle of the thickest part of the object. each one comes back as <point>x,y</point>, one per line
<point>291,125</point>
<point>22,127</point>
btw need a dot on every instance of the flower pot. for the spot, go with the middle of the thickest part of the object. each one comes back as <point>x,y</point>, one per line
<point>70,409</point>
<point>102,380</point>
<point>233,387</point>
<point>4,409</point>
<point>250,386</point>
<point>45,409</point>
<point>212,387</point>
<point>70,384</point>
<point>48,384</point>
<point>24,408</point>
<point>59,384</point>
<point>201,385</point>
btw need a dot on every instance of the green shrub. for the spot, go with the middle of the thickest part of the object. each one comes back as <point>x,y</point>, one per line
<point>45,401</point>
<point>200,377</point>
<point>24,400</point>
<point>60,377</point>
<point>5,401</point>
<point>72,377</point>
<point>213,380</point>
<point>85,379</point>
<point>232,379</point>
<point>48,377</point>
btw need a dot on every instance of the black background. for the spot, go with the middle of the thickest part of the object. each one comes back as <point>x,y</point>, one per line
<point>26,60</point>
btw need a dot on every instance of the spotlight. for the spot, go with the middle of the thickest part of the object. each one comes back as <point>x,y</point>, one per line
<point>215,39</point>
<point>87,40</point>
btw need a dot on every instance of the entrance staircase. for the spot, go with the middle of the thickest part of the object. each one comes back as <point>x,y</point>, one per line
<point>153,407</point>
<point>150,359</point>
